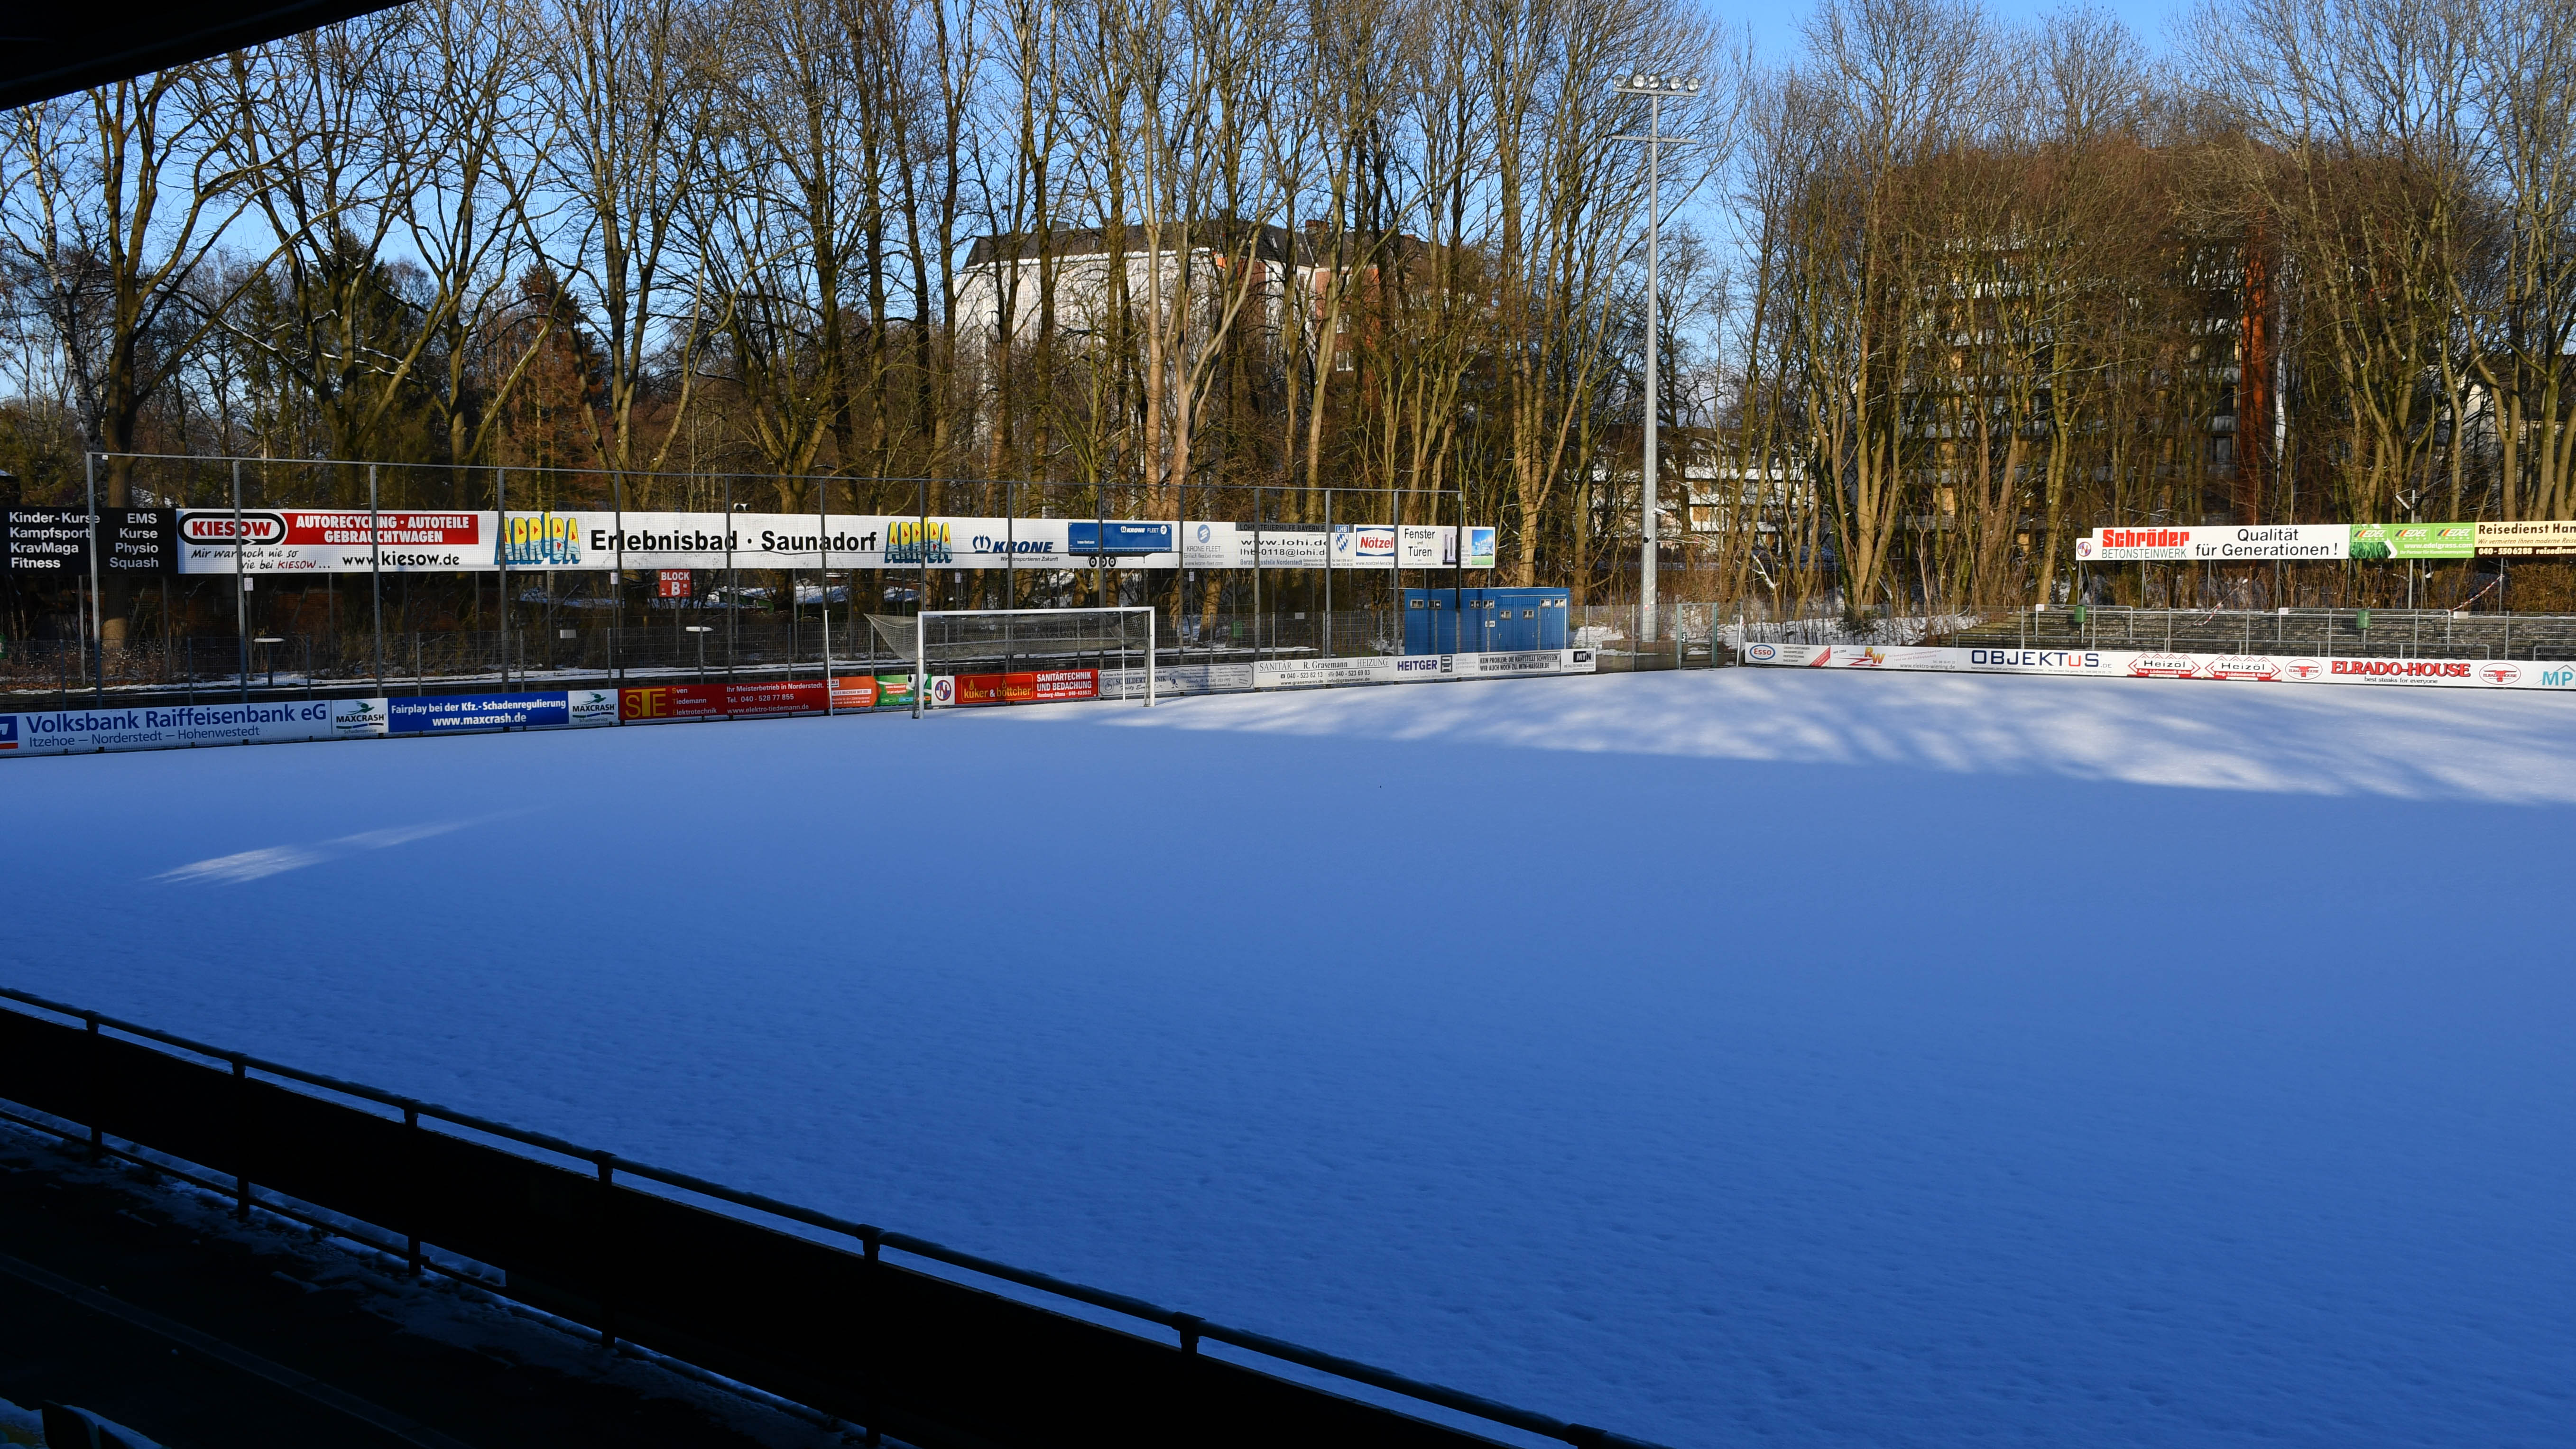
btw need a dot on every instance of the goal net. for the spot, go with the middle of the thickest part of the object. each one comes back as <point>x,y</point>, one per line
<point>1026,656</point>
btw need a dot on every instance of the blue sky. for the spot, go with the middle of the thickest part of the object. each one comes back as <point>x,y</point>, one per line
<point>1775,26</point>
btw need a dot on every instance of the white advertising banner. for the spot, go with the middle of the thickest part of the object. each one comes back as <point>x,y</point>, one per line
<point>161,727</point>
<point>311,540</point>
<point>1177,679</point>
<point>1426,546</point>
<point>1315,673</point>
<point>319,540</point>
<point>589,540</point>
<point>1212,545</point>
<point>2226,543</point>
<point>2152,664</point>
<point>1419,668</point>
<point>1499,664</point>
<point>1360,546</point>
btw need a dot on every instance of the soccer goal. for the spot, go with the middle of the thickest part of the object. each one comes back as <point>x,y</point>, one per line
<point>1017,656</point>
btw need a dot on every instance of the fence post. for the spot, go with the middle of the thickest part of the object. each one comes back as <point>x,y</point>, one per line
<point>376,571</point>
<point>97,597</point>
<point>91,1079</point>
<point>607,1221</point>
<point>501,547</point>
<point>241,1140</point>
<point>870,1240</point>
<point>411,1241</point>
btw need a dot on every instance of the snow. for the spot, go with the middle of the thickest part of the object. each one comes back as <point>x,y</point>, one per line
<point>1754,1057</point>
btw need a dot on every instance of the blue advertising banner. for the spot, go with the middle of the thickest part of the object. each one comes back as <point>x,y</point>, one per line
<point>453,713</point>
<point>1089,540</point>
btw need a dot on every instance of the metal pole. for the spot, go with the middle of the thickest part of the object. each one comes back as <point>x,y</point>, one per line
<point>1256,578</point>
<point>97,599</point>
<point>1151,655</point>
<point>1656,89</point>
<point>823,586</point>
<point>241,587</point>
<point>617,579</point>
<point>1329,542</point>
<point>1654,345</point>
<point>920,660</point>
<point>376,571</point>
<point>733,588</point>
<point>501,501</point>
<point>1010,569</point>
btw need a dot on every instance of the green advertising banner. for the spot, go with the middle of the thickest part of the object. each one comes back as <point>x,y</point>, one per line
<point>2414,540</point>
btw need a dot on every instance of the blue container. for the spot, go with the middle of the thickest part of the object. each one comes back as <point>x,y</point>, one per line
<point>1498,620</point>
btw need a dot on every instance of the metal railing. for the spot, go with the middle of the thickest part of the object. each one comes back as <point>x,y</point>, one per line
<point>2347,632</point>
<point>37,1054</point>
<point>702,646</point>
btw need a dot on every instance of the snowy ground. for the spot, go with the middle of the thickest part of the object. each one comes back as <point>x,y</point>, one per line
<point>1765,1056</point>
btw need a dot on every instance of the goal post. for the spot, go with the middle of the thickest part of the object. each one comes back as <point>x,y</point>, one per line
<point>1012,643</point>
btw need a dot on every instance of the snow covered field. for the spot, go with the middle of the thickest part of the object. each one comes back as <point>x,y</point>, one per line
<point>1762,1056</point>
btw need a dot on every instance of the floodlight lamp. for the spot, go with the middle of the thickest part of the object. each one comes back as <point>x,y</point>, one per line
<point>1638,80</point>
<point>1694,85</point>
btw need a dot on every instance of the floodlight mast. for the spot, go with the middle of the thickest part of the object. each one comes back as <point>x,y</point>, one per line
<point>1657,89</point>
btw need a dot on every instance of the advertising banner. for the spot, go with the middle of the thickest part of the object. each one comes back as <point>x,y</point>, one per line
<point>305,540</point>
<point>1426,546</point>
<point>2153,664</point>
<point>541,540</point>
<point>2260,543</point>
<point>161,727</point>
<point>1317,673</point>
<point>1241,546</point>
<point>1499,664</point>
<point>1092,538</point>
<point>660,702</point>
<point>464,713</point>
<point>1173,680</point>
<point>1028,686</point>
<point>314,540</point>
<point>2134,545</point>
<point>2414,540</point>
<point>2229,543</point>
<point>1362,546</point>
<point>49,541</point>
<point>855,541</point>
<point>54,542</point>
<point>2529,536</point>
<point>1420,668</point>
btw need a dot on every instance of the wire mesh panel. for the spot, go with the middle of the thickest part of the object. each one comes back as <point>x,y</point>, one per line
<point>1014,656</point>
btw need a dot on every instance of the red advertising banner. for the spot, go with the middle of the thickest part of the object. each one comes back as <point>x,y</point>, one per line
<point>671,583</point>
<point>743,701</point>
<point>1048,684</point>
<point>1029,687</point>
